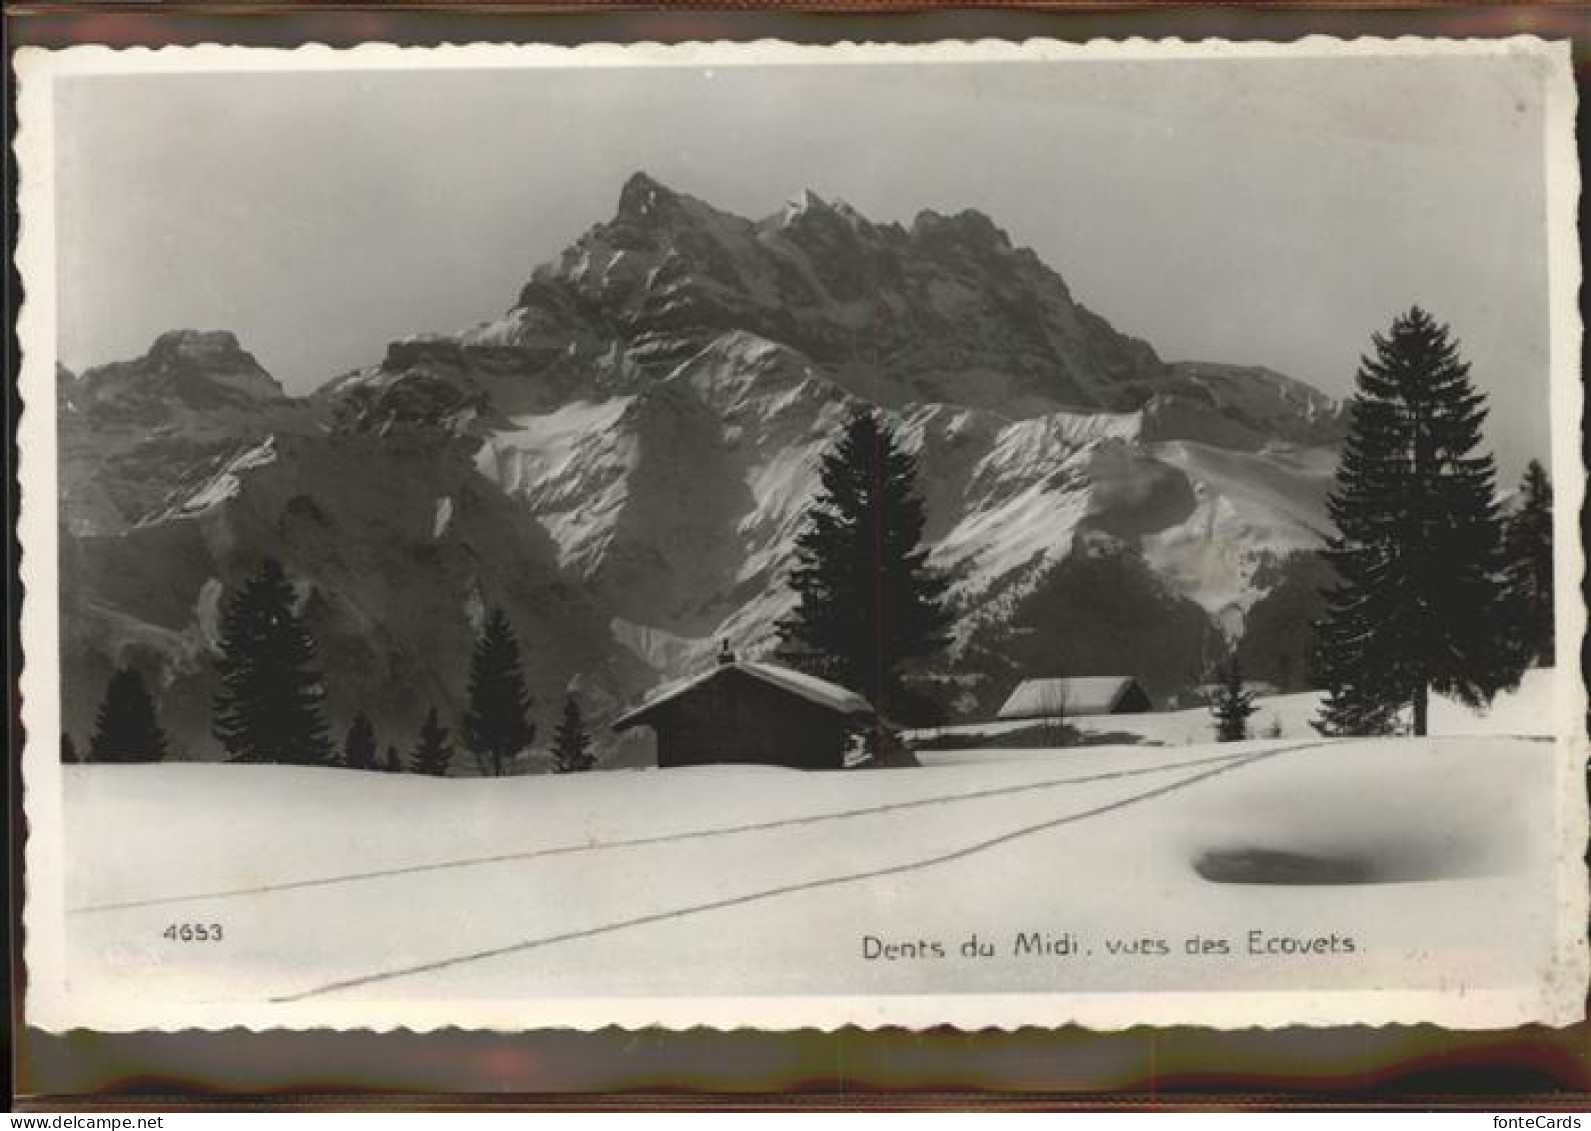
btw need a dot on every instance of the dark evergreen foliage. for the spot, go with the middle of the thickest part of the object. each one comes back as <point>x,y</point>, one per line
<point>433,753</point>
<point>126,729</point>
<point>571,744</point>
<point>270,706</point>
<point>1527,552</point>
<point>68,750</point>
<point>1233,704</point>
<point>496,725</point>
<point>867,603</point>
<point>394,762</point>
<point>1279,628</point>
<point>359,747</point>
<point>1418,606</point>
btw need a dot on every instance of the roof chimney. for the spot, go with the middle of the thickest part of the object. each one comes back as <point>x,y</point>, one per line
<point>725,656</point>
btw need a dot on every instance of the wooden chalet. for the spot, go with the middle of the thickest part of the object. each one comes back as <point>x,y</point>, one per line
<point>745,711</point>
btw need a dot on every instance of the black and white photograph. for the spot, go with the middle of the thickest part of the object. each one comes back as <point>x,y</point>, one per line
<point>976,534</point>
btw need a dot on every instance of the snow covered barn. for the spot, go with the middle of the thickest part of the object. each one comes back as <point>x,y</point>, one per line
<point>1083,695</point>
<point>750,711</point>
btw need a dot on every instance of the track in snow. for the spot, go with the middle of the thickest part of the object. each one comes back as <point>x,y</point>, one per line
<point>661,838</point>
<point>1227,764</point>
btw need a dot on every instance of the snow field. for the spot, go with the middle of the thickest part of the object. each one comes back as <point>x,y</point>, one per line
<point>747,880</point>
<point>1528,710</point>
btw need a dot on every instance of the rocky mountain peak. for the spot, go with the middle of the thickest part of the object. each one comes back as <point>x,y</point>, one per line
<point>643,197</point>
<point>809,207</point>
<point>205,350</point>
<point>646,203</point>
<point>948,310</point>
<point>195,369</point>
<point>967,230</point>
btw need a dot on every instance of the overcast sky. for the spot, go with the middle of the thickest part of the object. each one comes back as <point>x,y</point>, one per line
<point>1257,212</point>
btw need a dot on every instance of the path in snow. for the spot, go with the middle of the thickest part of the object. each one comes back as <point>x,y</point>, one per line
<point>665,838</point>
<point>961,853</point>
<point>332,886</point>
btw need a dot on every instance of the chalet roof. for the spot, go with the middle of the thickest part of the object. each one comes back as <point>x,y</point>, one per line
<point>1077,695</point>
<point>814,690</point>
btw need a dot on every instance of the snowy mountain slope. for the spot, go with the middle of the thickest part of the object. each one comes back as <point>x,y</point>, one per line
<point>1250,406</point>
<point>1248,508</point>
<point>681,503</point>
<point>646,425</point>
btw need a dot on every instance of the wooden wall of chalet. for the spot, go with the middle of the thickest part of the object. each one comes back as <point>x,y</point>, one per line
<point>737,718</point>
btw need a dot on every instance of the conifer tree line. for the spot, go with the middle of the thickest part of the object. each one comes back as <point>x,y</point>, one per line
<point>270,702</point>
<point>1435,590</point>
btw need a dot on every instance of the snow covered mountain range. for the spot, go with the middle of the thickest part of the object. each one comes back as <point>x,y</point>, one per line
<point>623,460</point>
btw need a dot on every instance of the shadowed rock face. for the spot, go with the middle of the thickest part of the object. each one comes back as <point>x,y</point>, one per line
<point>136,435</point>
<point>396,545</point>
<point>638,439</point>
<point>946,310</point>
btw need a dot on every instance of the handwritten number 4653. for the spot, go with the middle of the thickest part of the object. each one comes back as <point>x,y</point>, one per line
<point>193,932</point>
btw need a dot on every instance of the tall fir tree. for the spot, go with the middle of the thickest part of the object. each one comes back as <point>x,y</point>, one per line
<point>1233,703</point>
<point>126,728</point>
<point>359,745</point>
<point>1418,603</point>
<point>271,703</point>
<point>496,725</point>
<point>571,744</point>
<point>1527,552</point>
<point>433,752</point>
<point>866,601</point>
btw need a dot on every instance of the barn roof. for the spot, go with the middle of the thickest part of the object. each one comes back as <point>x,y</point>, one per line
<point>1078,695</point>
<point>814,690</point>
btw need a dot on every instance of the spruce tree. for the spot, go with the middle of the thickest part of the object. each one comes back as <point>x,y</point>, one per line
<point>496,725</point>
<point>270,705</point>
<point>394,763</point>
<point>866,601</point>
<point>359,746</point>
<point>1527,551</point>
<point>434,751</point>
<point>1232,705</point>
<point>571,745</point>
<point>1417,606</point>
<point>126,729</point>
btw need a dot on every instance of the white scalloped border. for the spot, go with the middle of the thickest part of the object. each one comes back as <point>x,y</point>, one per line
<point>1558,1000</point>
